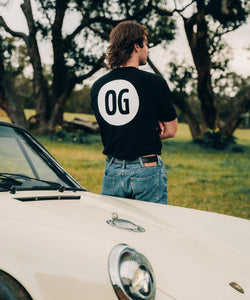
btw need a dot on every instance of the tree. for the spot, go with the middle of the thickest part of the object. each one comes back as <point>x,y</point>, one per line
<point>231,96</point>
<point>75,53</point>
<point>209,20</point>
<point>239,107</point>
<point>9,74</point>
<point>72,63</point>
<point>204,42</point>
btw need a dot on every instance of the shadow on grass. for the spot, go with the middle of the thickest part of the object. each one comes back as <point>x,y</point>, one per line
<point>190,145</point>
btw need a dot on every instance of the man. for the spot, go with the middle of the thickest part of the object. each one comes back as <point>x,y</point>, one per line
<point>134,111</point>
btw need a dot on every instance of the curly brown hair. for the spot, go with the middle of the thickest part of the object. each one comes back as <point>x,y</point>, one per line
<point>122,40</point>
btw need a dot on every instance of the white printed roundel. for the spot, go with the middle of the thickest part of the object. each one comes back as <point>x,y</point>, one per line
<point>118,102</point>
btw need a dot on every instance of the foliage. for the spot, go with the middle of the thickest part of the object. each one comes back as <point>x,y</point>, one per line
<point>204,33</point>
<point>227,12</point>
<point>228,87</point>
<point>182,76</point>
<point>79,101</point>
<point>64,136</point>
<point>216,140</point>
<point>78,49</point>
<point>76,54</point>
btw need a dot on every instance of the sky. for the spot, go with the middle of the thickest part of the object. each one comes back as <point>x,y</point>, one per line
<point>239,40</point>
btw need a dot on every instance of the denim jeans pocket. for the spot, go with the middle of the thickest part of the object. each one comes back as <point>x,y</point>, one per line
<point>146,188</point>
<point>108,185</point>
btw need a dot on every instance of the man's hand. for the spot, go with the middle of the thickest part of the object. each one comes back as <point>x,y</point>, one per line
<point>167,129</point>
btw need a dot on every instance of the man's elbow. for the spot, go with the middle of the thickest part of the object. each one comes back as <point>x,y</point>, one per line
<point>169,129</point>
<point>172,130</point>
<point>172,134</point>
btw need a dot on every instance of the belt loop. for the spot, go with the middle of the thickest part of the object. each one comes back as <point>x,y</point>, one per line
<point>111,160</point>
<point>158,159</point>
<point>141,162</point>
<point>124,164</point>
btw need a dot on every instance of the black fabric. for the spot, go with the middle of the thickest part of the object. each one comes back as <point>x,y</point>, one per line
<point>128,103</point>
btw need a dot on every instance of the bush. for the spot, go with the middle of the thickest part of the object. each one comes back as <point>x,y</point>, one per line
<point>216,140</point>
<point>65,136</point>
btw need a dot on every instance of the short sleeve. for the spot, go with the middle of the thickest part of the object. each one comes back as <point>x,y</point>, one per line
<point>166,110</point>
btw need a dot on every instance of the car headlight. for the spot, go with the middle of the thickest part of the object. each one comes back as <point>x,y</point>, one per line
<point>131,274</point>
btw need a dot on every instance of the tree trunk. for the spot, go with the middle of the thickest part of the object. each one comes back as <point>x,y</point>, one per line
<point>56,116</point>
<point>240,107</point>
<point>13,108</point>
<point>42,106</point>
<point>9,101</point>
<point>196,32</point>
<point>185,108</point>
<point>82,124</point>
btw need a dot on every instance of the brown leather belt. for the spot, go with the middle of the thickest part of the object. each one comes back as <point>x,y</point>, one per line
<point>144,159</point>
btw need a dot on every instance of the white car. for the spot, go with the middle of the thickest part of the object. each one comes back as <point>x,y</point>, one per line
<point>59,241</point>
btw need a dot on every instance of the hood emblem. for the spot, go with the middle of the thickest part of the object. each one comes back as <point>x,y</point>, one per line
<point>124,224</point>
<point>237,287</point>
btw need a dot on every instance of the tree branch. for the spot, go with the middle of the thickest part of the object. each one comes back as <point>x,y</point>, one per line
<point>71,36</point>
<point>100,64</point>
<point>103,35</point>
<point>12,32</point>
<point>179,11</point>
<point>154,68</point>
<point>87,22</point>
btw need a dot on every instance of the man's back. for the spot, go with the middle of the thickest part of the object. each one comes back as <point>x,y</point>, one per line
<point>134,112</point>
<point>128,103</point>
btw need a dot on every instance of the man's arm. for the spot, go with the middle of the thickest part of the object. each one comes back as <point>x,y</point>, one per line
<point>167,129</point>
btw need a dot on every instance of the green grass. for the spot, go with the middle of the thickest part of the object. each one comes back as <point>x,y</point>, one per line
<point>199,178</point>
<point>208,179</point>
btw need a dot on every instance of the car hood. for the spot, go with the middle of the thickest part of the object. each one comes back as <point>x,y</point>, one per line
<point>191,251</point>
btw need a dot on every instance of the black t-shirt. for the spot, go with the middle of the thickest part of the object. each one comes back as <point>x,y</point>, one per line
<point>128,103</point>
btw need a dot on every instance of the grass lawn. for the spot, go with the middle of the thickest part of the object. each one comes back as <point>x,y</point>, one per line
<point>207,179</point>
<point>199,178</point>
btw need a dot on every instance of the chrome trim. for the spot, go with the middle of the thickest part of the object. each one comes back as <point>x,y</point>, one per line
<point>237,287</point>
<point>114,271</point>
<point>124,224</point>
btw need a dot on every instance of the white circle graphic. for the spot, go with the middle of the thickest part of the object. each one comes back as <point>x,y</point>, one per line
<point>118,102</point>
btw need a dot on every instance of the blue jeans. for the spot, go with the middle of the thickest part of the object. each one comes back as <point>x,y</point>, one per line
<point>136,181</point>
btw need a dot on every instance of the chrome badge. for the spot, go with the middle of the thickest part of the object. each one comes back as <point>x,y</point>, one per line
<point>124,224</point>
<point>237,287</point>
